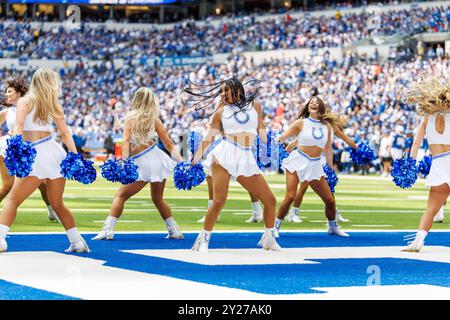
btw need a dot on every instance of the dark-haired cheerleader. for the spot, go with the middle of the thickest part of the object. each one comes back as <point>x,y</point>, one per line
<point>313,130</point>
<point>240,119</point>
<point>15,88</point>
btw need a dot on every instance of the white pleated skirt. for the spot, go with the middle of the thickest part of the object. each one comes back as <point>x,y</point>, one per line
<point>307,168</point>
<point>236,159</point>
<point>3,145</point>
<point>439,171</point>
<point>49,155</point>
<point>154,165</point>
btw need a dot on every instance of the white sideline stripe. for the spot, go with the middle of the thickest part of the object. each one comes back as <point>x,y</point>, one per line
<point>372,225</point>
<point>87,278</point>
<point>119,221</point>
<point>294,255</point>
<point>228,231</point>
<point>317,221</point>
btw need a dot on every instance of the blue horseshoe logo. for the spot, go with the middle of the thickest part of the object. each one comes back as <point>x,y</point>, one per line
<point>316,136</point>
<point>245,120</point>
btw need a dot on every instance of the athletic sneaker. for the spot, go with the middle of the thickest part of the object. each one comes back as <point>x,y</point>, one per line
<point>268,242</point>
<point>337,231</point>
<point>201,244</point>
<point>202,220</point>
<point>414,246</point>
<point>106,233</point>
<point>439,218</point>
<point>174,232</point>
<point>3,245</point>
<point>255,218</point>
<point>52,216</point>
<point>340,218</point>
<point>293,217</point>
<point>79,247</point>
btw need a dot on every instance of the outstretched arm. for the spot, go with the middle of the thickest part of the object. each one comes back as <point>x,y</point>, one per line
<point>215,128</point>
<point>293,130</point>
<point>168,143</point>
<point>262,132</point>
<point>341,134</point>
<point>418,139</point>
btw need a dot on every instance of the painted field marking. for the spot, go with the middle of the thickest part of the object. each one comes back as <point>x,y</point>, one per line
<point>372,225</point>
<point>120,221</point>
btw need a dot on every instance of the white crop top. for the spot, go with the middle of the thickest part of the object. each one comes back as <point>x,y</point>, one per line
<point>314,133</point>
<point>435,137</point>
<point>236,121</point>
<point>11,118</point>
<point>29,125</point>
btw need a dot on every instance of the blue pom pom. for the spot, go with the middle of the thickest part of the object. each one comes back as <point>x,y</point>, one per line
<point>123,171</point>
<point>363,155</point>
<point>20,156</point>
<point>110,170</point>
<point>424,166</point>
<point>75,167</point>
<point>404,172</point>
<point>128,171</point>
<point>194,141</point>
<point>186,175</point>
<point>332,178</point>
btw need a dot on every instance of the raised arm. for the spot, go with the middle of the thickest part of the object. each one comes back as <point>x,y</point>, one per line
<point>215,128</point>
<point>293,130</point>
<point>168,143</point>
<point>341,134</point>
<point>418,138</point>
<point>66,135</point>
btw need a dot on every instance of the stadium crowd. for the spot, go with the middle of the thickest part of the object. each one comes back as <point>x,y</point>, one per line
<point>370,94</point>
<point>191,38</point>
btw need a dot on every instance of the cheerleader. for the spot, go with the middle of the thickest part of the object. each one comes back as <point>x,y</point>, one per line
<point>433,102</point>
<point>294,216</point>
<point>154,165</point>
<point>313,130</point>
<point>34,116</point>
<point>15,88</point>
<point>239,119</point>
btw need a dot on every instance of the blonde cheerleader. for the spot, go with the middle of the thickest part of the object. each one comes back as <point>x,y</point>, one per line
<point>15,88</point>
<point>35,113</point>
<point>154,166</point>
<point>313,131</point>
<point>433,102</point>
<point>294,216</point>
<point>240,120</point>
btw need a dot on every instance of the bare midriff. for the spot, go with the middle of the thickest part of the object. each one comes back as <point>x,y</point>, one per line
<point>312,151</point>
<point>33,136</point>
<point>437,149</point>
<point>138,149</point>
<point>244,139</point>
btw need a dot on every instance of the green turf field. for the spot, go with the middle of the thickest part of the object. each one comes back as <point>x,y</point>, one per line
<point>368,203</point>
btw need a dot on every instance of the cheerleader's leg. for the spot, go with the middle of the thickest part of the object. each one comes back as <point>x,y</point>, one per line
<point>157,192</point>
<point>291,189</point>
<point>210,197</point>
<point>7,180</point>
<point>124,193</point>
<point>52,216</point>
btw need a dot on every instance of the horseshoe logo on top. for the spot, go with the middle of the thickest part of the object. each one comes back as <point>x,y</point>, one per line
<point>242,121</point>
<point>317,137</point>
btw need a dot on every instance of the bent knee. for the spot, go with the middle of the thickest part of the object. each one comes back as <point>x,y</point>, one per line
<point>330,202</point>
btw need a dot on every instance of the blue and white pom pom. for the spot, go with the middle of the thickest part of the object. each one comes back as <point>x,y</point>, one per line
<point>187,175</point>
<point>282,154</point>
<point>119,170</point>
<point>331,176</point>
<point>194,141</point>
<point>110,170</point>
<point>76,167</point>
<point>128,171</point>
<point>363,155</point>
<point>424,166</point>
<point>404,172</point>
<point>20,156</point>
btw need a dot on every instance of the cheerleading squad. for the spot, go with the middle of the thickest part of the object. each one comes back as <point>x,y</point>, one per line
<point>225,153</point>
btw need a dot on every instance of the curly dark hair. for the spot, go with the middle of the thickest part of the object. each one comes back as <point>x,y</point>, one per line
<point>18,83</point>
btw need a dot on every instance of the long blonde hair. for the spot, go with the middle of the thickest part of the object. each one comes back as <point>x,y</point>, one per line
<point>45,89</point>
<point>325,115</point>
<point>431,95</point>
<point>143,114</point>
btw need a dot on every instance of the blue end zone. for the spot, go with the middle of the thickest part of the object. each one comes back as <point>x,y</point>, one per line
<point>11,291</point>
<point>267,279</point>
